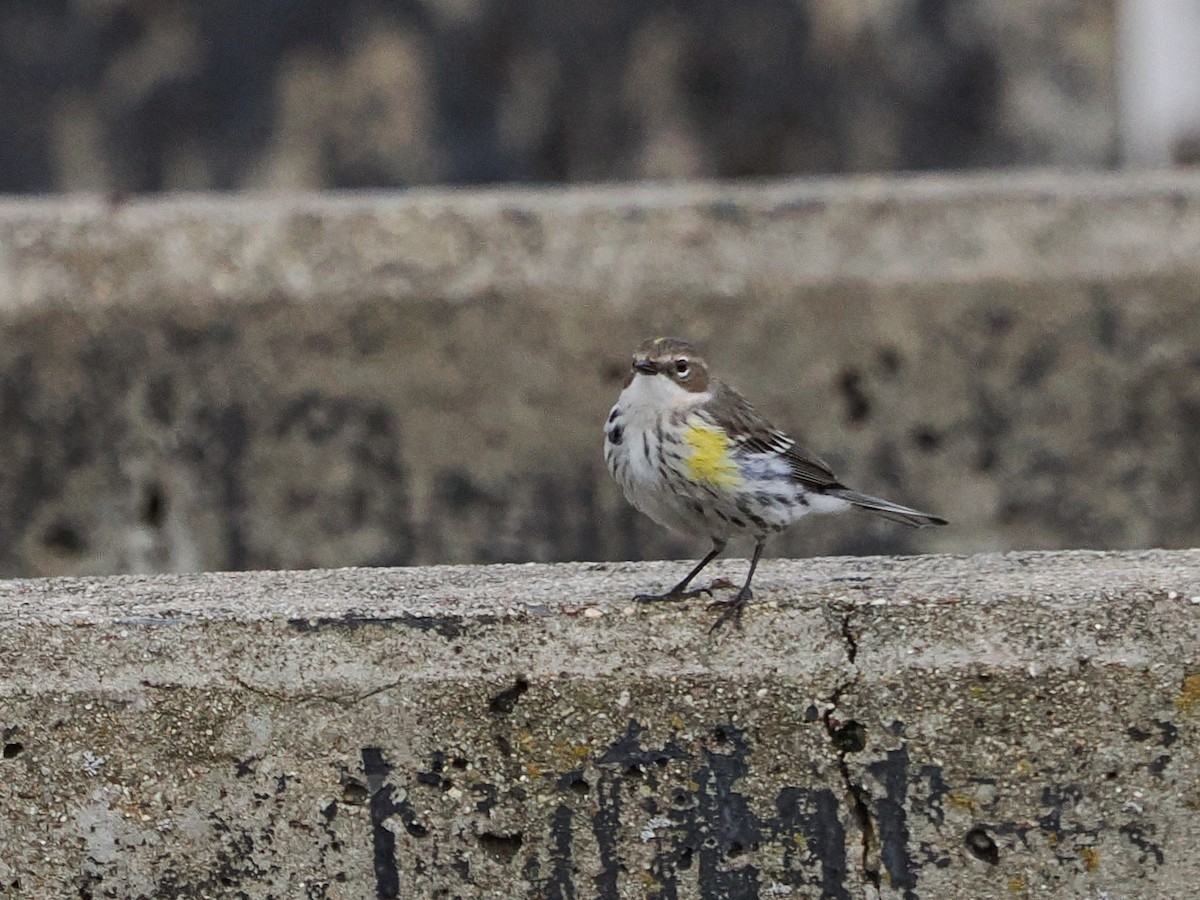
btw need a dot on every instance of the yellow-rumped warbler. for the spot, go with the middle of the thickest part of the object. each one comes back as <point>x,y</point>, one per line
<point>694,456</point>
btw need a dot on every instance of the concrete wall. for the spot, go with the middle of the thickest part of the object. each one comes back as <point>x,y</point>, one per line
<point>933,727</point>
<point>125,96</point>
<point>273,382</point>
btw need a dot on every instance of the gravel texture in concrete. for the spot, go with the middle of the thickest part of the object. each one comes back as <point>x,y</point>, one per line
<point>988,726</point>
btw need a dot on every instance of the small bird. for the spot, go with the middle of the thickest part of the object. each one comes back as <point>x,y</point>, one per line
<point>691,453</point>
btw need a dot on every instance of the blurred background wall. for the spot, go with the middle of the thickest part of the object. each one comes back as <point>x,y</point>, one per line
<point>250,375</point>
<point>304,94</point>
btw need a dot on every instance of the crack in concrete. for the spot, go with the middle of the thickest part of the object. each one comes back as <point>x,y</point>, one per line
<point>856,795</point>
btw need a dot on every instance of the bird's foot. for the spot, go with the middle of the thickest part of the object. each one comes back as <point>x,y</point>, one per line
<point>733,609</point>
<point>675,594</point>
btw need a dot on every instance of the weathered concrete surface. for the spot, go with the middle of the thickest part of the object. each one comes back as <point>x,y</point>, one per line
<point>932,727</point>
<point>128,96</point>
<point>232,383</point>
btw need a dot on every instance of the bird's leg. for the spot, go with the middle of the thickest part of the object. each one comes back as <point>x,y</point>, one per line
<point>680,592</point>
<point>733,607</point>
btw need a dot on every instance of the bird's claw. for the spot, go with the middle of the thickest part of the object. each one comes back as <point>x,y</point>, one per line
<point>733,609</point>
<point>675,594</point>
<point>672,596</point>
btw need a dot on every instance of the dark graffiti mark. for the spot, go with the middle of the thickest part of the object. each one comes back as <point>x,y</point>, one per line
<point>574,782</point>
<point>561,885</point>
<point>1158,765</point>
<point>629,751</point>
<point>434,777</point>
<point>605,823</point>
<point>1136,835</point>
<point>1059,799</point>
<point>891,820</point>
<point>938,788</point>
<point>489,797</point>
<point>724,819</point>
<point>699,833</point>
<point>712,825</point>
<point>387,874</point>
<point>1168,733</point>
<point>506,701</point>
<point>236,864</point>
<point>814,817</point>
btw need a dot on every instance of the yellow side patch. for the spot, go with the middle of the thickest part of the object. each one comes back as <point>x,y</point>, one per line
<point>710,460</point>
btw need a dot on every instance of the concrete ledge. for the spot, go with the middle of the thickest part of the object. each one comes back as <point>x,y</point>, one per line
<point>619,242</point>
<point>938,727</point>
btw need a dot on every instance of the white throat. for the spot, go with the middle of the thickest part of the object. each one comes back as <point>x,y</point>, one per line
<point>650,396</point>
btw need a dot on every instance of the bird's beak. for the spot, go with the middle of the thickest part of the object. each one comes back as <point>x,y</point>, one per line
<point>646,366</point>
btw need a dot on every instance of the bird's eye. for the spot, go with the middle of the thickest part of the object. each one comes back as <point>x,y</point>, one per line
<point>683,368</point>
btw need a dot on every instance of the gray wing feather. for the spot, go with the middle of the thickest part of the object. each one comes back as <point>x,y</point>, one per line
<point>740,420</point>
<point>743,422</point>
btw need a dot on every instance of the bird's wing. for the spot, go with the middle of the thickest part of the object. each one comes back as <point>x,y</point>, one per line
<point>751,431</point>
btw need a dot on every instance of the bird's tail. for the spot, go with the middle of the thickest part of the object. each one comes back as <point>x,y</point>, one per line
<point>887,509</point>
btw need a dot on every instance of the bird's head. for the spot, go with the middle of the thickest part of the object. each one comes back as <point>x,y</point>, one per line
<point>672,359</point>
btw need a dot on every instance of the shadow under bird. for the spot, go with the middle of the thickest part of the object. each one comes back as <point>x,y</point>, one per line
<point>691,453</point>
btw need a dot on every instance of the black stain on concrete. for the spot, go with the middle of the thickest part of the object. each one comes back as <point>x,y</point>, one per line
<point>1059,799</point>
<point>64,538</point>
<point>855,793</point>
<point>713,826</point>
<point>488,799</point>
<point>574,782</point>
<point>235,865</point>
<point>606,822</point>
<point>456,491</point>
<point>1167,736</point>
<point>387,873</point>
<point>1136,833</point>
<point>436,775</point>
<point>891,821</point>
<point>506,701</point>
<point>709,830</point>
<point>815,816</point>
<point>1037,363</point>
<point>152,510</point>
<point>217,442</point>
<point>561,885</point>
<point>628,750</point>
<point>854,399</point>
<point>1158,765</point>
<point>937,789</point>
<point>449,627</point>
<point>723,822</point>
